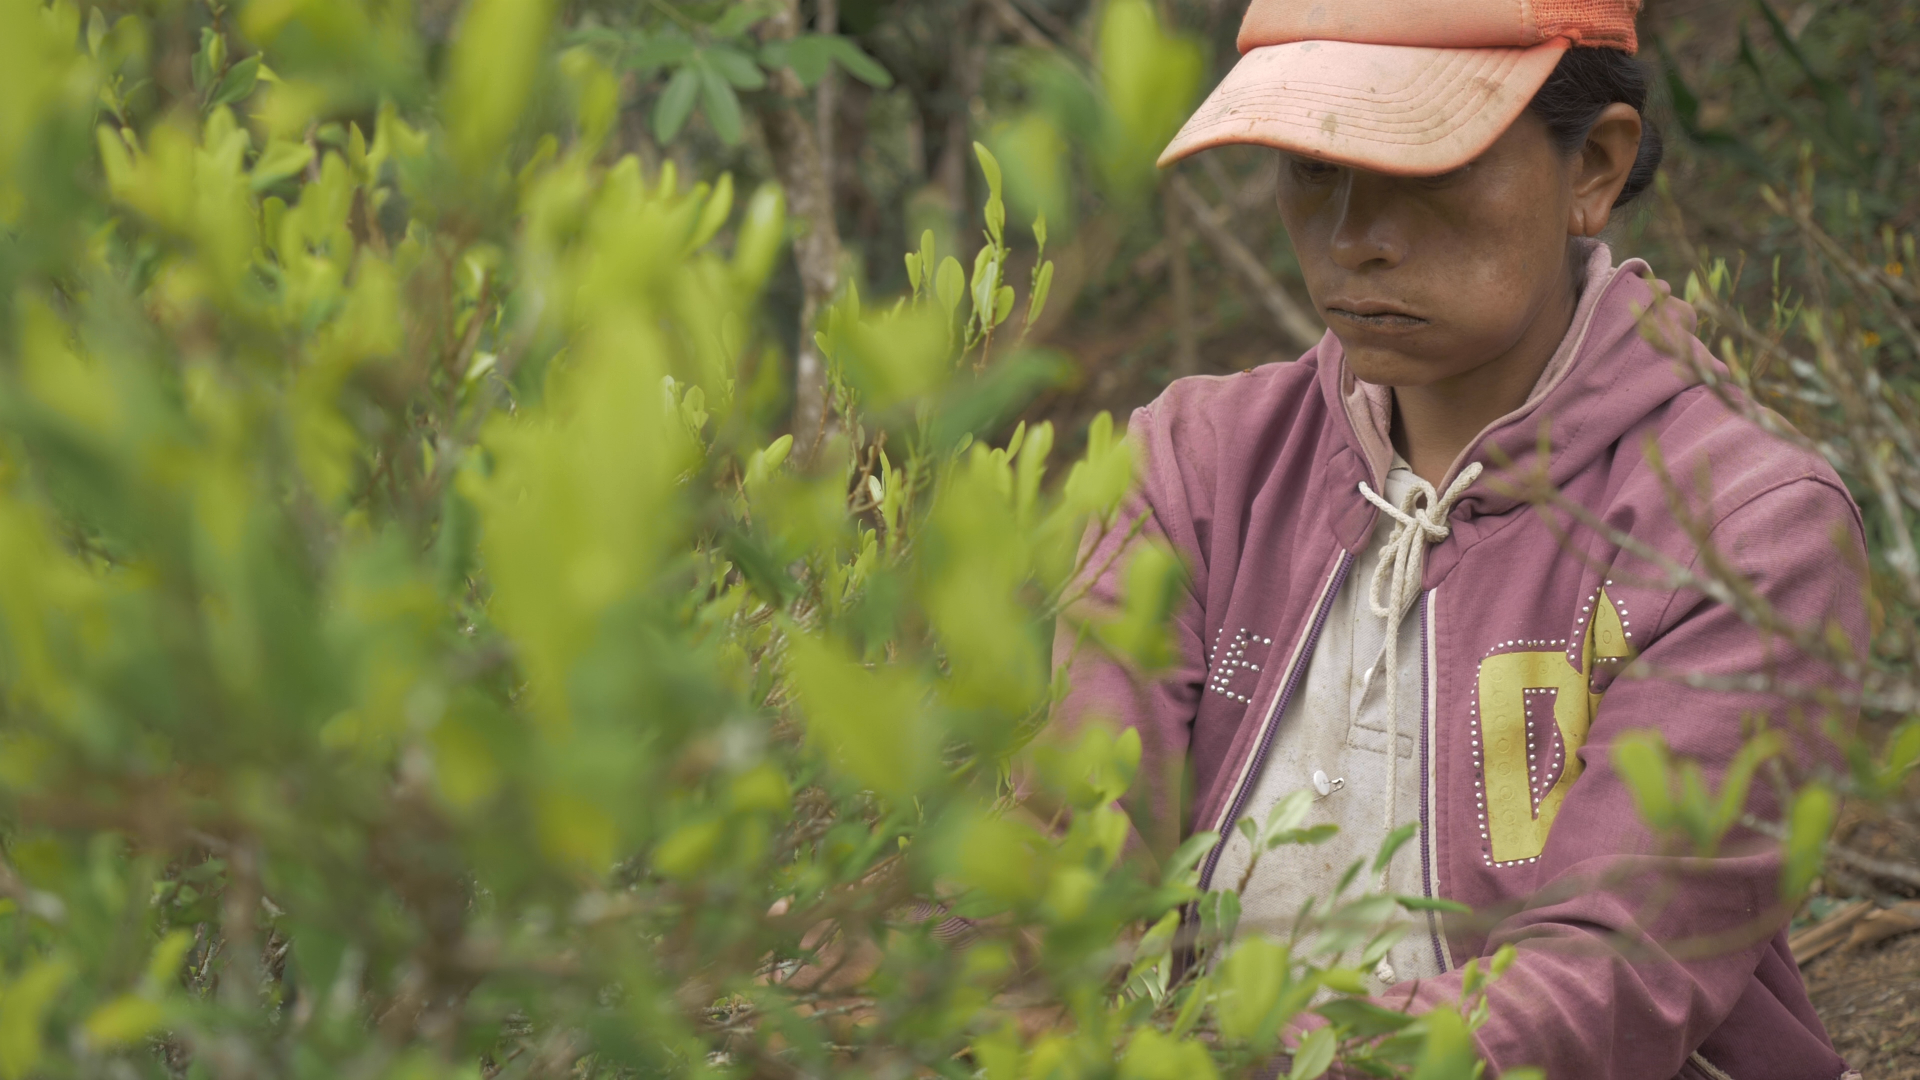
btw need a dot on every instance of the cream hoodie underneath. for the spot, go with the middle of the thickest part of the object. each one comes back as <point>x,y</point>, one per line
<point>1321,732</point>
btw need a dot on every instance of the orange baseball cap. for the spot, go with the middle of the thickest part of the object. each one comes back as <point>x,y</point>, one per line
<point>1406,87</point>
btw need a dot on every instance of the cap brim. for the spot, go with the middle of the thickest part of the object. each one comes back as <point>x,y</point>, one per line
<point>1395,109</point>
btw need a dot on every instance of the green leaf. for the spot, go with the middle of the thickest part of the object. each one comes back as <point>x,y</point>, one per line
<point>1391,846</point>
<point>1314,834</point>
<point>210,58</point>
<point>1219,915</point>
<point>1042,286</point>
<point>761,234</point>
<point>723,108</point>
<point>1734,786</point>
<point>163,967</point>
<point>125,1019</point>
<point>737,67</point>
<point>670,49</point>
<point>497,52</point>
<point>1640,758</point>
<point>996,212</point>
<point>871,722</point>
<point>858,64</point>
<point>1345,980</point>
<point>1346,879</point>
<point>1314,1055</point>
<point>687,850</point>
<point>1902,752</point>
<point>1289,812</point>
<point>1156,1056</point>
<point>237,83</point>
<point>1503,959</point>
<point>1251,983</point>
<point>281,159</point>
<point>991,167</point>
<point>1188,855</point>
<point>714,214</point>
<point>894,358</point>
<point>1449,1053</point>
<point>950,284</point>
<point>1433,903</point>
<point>24,1005</point>
<point>739,18</point>
<point>998,857</point>
<point>676,104</point>
<point>1363,1019</point>
<point>1150,78</point>
<point>1808,824</point>
<point>808,55</point>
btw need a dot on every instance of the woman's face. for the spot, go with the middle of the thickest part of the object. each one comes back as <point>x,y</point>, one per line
<point>1426,278</point>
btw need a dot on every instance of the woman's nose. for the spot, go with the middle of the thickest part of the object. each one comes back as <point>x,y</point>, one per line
<point>1366,235</point>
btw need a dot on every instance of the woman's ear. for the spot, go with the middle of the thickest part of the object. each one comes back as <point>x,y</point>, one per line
<point>1602,168</point>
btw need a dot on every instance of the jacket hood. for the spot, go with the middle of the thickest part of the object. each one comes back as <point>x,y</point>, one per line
<point>1603,380</point>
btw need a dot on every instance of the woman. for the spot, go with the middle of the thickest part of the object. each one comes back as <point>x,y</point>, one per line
<point>1366,577</point>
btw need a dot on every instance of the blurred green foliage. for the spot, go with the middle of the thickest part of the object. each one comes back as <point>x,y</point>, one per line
<point>422,654</point>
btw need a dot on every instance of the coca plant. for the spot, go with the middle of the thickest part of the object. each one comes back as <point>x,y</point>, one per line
<point>421,655</point>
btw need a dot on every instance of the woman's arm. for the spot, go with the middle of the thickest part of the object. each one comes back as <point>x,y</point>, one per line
<point>1103,688</point>
<point>1634,953</point>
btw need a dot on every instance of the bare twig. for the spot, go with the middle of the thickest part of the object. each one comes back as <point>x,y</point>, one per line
<point>1292,319</point>
<point>1186,349</point>
<point>1902,872</point>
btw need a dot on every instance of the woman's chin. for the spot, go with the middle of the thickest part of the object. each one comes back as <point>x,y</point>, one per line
<point>1373,362</point>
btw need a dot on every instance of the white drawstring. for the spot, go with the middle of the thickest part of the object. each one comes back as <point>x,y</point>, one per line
<point>1402,565</point>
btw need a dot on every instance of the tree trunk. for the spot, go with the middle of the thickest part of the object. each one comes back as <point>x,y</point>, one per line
<point>794,143</point>
<point>956,152</point>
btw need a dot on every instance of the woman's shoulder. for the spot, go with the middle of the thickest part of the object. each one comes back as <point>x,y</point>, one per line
<point>1209,445</point>
<point>1193,413</point>
<point>1748,457</point>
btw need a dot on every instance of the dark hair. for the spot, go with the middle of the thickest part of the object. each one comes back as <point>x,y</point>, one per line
<point>1582,85</point>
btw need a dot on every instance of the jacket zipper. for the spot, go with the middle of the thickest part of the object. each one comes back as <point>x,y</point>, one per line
<point>1426,773</point>
<point>1288,684</point>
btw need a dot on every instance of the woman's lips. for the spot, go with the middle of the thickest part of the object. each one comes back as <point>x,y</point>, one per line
<point>1375,316</point>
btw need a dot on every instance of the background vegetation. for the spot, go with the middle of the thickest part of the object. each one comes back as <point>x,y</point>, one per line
<point>493,582</point>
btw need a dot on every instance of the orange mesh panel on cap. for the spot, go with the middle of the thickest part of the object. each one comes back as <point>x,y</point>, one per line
<point>1598,23</point>
<point>1440,24</point>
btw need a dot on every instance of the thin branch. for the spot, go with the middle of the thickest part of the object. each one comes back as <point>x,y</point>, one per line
<point>1892,871</point>
<point>1289,317</point>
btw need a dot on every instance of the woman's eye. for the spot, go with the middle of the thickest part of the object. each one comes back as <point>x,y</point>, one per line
<point>1446,179</point>
<point>1313,171</point>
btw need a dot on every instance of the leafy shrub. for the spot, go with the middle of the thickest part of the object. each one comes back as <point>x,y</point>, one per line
<point>420,658</point>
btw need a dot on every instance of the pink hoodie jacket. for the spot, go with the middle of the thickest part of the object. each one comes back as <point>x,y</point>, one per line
<point>1634,962</point>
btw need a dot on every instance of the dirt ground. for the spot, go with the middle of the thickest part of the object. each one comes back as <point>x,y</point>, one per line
<point>1870,1001</point>
<point>1869,997</point>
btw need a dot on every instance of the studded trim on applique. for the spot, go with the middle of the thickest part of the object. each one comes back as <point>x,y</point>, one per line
<point>1230,662</point>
